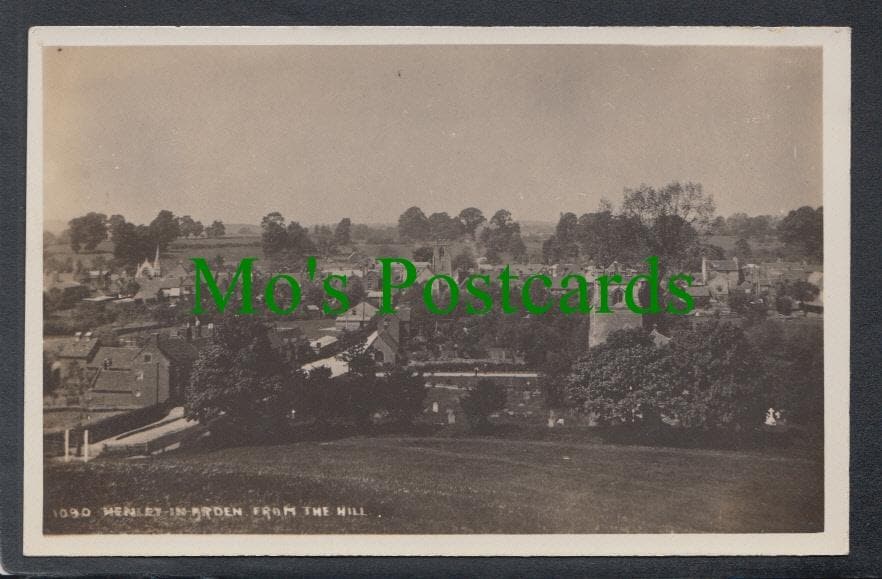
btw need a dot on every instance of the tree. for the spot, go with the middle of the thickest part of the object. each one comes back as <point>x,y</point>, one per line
<point>88,231</point>
<point>164,229</point>
<point>324,240</point>
<point>471,218</point>
<point>563,245</point>
<point>716,379</point>
<point>187,226</point>
<point>216,229</point>
<point>619,380</point>
<point>444,227</point>
<point>742,248</point>
<point>299,242</point>
<point>503,234</point>
<point>403,393</point>
<point>671,217</point>
<point>132,243</point>
<point>241,379</point>
<point>803,230</point>
<point>413,225</point>
<point>706,377</point>
<point>342,233</point>
<point>51,378</point>
<point>359,387</point>
<point>463,263</point>
<point>274,237</point>
<point>481,401</point>
<point>424,253</point>
<point>355,290</point>
<point>359,361</point>
<point>798,290</point>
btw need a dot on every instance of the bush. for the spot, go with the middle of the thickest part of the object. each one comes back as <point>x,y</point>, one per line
<point>481,401</point>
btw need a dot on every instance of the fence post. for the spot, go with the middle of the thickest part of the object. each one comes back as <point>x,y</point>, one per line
<point>67,445</point>
<point>86,445</point>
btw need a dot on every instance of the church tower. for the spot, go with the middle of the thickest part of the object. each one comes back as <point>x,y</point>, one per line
<point>441,261</point>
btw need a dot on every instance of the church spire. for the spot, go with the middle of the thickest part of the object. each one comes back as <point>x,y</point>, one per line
<point>156,270</point>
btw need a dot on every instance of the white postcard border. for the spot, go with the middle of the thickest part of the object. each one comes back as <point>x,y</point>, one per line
<point>836,43</point>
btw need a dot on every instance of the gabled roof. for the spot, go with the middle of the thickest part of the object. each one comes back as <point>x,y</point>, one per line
<point>385,337</point>
<point>78,348</point>
<point>177,349</point>
<point>698,291</point>
<point>120,357</point>
<point>363,311</point>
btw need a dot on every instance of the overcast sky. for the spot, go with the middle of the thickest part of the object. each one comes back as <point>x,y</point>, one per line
<point>321,133</point>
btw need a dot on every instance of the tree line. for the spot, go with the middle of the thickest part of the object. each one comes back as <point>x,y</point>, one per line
<point>501,234</point>
<point>670,222</point>
<point>135,242</point>
<point>289,244</point>
<point>709,376</point>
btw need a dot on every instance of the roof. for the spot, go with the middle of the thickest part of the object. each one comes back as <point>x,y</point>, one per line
<point>658,338</point>
<point>120,357</point>
<point>78,348</point>
<point>324,341</point>
<point>113,381</point>
<point>337,366</point>
<point>288,325</point>
<point>98,299</point>
<point>387,337</point>
<point>723,264</point>
<point>177,349</point>
<point>698,291</point>
<point>363,311</point>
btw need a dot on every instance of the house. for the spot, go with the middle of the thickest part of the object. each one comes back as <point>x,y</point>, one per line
<point>718,286</point>
<point>135,377</point>
<point>322,344</point>
<point>74,355</point>
<point>374,297</point>
<point>700,295</point>
<point>356,318</point>
<point>384,342</point>
<point>728,268</point>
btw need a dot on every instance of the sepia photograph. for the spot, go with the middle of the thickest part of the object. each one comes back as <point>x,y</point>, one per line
<point>316,291</point>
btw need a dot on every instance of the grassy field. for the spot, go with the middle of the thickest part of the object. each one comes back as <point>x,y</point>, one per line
<point>438,485</point>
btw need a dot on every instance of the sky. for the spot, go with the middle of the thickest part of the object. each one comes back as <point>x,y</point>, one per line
<point>321,133</point>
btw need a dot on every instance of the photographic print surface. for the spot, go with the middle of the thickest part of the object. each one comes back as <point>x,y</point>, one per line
<point>437,291</point>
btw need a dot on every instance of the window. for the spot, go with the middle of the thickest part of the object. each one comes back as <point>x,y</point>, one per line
<point>148,358</point>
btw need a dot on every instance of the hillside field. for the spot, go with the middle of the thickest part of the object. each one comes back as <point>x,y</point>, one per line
<point>437,485</point>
